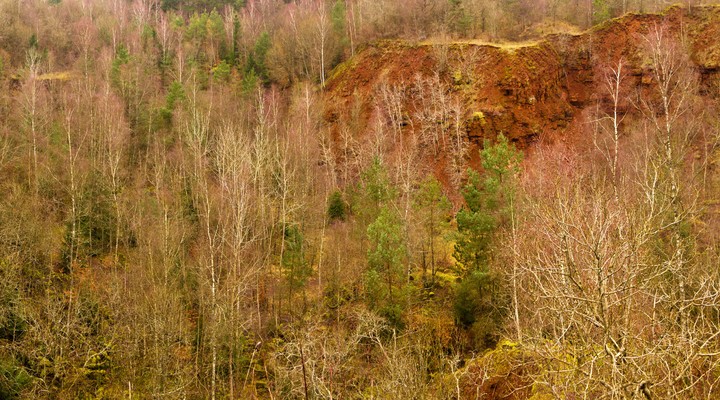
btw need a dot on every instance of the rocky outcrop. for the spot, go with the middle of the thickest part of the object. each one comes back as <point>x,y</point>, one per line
<point>527,91</point>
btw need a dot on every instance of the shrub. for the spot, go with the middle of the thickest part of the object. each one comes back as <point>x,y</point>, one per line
<point>479,308</point>
<point>337,208</point>
<point>13,378</point>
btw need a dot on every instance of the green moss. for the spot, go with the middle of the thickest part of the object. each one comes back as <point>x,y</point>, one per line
<point>502,359</point>
<point>671,9</point>
<point>507,344</point>
<point>13,378</point>
<point>710,58</point>
<point>341,68</point>
<point>56,76</point>
<point>446,276</point>
<point>479,116</point>
<point>541,396</point>
<point>457,77</point>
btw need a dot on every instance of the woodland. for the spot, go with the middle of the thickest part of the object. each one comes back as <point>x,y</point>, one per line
<point>359,199</point>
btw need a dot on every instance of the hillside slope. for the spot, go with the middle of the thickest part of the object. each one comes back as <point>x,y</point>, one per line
<point>528,91</point>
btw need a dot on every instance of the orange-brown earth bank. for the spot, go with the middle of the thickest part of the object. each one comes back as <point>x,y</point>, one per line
<point>542,91</point>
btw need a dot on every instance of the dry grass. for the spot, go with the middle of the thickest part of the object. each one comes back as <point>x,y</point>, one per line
<point>57,76</point>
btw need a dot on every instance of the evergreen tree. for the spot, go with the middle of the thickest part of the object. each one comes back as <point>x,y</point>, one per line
<point>486,201</point>
<point>337,17</point>
<point>256,64</point>
<point>385,262</point>
<point>295,266</point>
<point>479,300</point>
<point>374,192</point>
<point>433,210</point>
<point>336,206</point>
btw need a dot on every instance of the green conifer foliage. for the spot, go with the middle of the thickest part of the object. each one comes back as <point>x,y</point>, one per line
<point>385,262</point>
<point>337,208</point>
<point>479,298</point>
<point>486,202</point>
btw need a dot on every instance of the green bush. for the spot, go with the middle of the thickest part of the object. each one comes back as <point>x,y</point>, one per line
<point>175,94</point>
<point>249,83</point>
<point>294,263</point>
<point>12,324</point>
<point>478,307</point>
<point>337,209</point>
<point>221,72</point>
<point>95,223</point>
<point>394,316</point>
<point>13,378</point>
<point>122,57</point>
<point>256,61</point>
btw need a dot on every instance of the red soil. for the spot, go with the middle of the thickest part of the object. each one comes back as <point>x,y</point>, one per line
<point>530,93</point>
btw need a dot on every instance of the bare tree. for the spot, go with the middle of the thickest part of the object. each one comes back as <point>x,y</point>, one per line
<point>612,279</point>
<point>323,29</point>
<point>435,111</point>
<point>391,107</point>
<point>197,139</point>
<point>32,108</point>
<point>609,143</point>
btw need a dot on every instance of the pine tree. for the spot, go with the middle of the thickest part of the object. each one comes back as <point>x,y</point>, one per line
<point>385,262</point>
<point>479,297</point>
<point>486,202</point>
<point>433,210</point>
<point>336,206</point>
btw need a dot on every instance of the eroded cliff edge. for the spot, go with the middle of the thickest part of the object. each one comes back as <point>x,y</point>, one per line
<point>431,92</point>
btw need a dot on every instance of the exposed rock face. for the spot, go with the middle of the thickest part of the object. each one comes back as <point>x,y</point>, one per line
<point>526,91</point>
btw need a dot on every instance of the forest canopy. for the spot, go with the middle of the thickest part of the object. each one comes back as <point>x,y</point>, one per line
<point>322,199</point>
